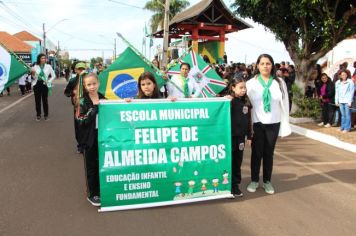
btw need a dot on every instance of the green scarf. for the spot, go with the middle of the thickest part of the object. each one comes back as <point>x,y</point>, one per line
<point>42,75</point>
<point>266,93</point>
<point>185,86</point>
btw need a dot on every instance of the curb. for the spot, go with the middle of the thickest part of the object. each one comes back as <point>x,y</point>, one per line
<point>324,138</point>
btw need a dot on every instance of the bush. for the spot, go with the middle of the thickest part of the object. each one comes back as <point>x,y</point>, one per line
<point>306,107</point>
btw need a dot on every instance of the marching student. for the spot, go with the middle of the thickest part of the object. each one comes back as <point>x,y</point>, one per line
<point>270,117</point>
<point>87,116</point>
<point>41,84</point>
<point>147,86</point>
<point>240,128</point>
<point>22,84</point>
<point>181,86</point>
<point>72,91</point>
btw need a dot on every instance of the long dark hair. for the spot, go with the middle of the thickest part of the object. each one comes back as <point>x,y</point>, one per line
<point>273,71</point>
<point>150,76</point>
<point>38,62</point>
<point>233,82</point>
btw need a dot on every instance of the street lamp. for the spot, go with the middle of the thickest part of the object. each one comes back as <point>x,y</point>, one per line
<point>44,34</point>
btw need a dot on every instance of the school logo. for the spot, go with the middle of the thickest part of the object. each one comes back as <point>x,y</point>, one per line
<point>245,110</point>
<point>3,76</point>
<point>241,146</point>
<point>123,83</point>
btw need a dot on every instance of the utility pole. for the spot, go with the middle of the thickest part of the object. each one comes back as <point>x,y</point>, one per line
<point>44,40</point>
<point>165,34</point>
<point>58,60</point>
<point>114,49</point>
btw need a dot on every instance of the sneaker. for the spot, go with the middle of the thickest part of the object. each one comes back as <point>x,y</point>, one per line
<point>327,125</point>
<point>321,124</point>
<point>334,125</point>
<point>46,118</point>
<point>95,200</point>
<point>38,118</point>
<point>252,187</point>
<point>236,191</point>
<point>268,187</point>
<point>80,150</point>
<point>345,131</point>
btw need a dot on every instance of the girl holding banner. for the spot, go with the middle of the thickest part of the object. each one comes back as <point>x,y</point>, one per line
<point>270,116</point>
<point>87,125</point>
<point>42,85</point>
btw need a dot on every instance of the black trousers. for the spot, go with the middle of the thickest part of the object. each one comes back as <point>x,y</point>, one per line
<point>238,146</point>
<point>327,113</point>
<point>91,165</point>
<point>22,89</point>
<point>263,144</point>
<point>78,135</point>
<point>41,94</point>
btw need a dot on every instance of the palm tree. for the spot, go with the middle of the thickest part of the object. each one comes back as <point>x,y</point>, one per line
<point>157,6</point>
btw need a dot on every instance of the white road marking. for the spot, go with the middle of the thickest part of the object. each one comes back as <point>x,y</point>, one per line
<point>14,103</point>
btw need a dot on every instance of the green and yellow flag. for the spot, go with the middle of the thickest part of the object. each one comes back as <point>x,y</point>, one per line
<point>119,80</point>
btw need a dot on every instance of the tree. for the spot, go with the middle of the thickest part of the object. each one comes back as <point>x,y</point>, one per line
<point>307,28</point>
<point>157,6</point>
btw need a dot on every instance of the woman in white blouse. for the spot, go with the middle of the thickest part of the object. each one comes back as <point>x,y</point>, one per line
<point>42,84</point>
<point>270,116</point>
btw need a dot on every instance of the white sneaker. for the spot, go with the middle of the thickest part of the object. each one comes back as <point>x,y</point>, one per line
<point>321,124</point>
<point>327,125</point>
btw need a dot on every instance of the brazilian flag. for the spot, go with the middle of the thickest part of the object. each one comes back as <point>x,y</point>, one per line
<point>119,80</point>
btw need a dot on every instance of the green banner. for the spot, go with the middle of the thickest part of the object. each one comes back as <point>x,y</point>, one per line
<point>158,152</point>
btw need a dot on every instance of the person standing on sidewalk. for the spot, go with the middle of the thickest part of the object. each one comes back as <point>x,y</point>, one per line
<point>270,117</point>
<point>344,92</point>
<point>326,93</point>
<point>42,84</point>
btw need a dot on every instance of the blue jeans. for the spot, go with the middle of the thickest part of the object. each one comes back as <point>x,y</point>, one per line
<point>345,117</point>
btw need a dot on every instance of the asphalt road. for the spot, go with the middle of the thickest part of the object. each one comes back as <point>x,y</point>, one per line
<point>43,190</point>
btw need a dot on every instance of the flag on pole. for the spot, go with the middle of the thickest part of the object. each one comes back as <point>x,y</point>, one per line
<point>11,68</point>
<point>119,80</point>
<point>209,81</point>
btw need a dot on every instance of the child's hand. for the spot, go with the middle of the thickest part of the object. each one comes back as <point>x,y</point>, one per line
<point>248,142</point>
<point>228,97</point>
<point>172,99</point>
<point>127,99</point>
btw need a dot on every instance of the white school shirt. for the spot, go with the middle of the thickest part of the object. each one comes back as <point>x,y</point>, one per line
<point>173,91</point>
<point>279,104</point>
<point>22,80</point>
<point>47,70</point>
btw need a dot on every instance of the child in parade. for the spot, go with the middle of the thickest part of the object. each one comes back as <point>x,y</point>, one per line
<point>240,128</point>
<point>88,111</point>
<point>72,91</point>
<point>147,86</point>
<point>344,92</point>
<point>326,94</point>
<point>22,84</point>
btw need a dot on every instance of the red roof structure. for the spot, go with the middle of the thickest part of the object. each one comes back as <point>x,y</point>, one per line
<point>26,36</point>
<point>13,43</point>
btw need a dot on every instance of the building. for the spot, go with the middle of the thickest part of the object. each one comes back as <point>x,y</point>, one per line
<point>17,46</point>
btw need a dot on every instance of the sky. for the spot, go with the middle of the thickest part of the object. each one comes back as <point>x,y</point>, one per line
<point>87,28</point>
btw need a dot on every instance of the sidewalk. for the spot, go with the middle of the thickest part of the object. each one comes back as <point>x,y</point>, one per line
<point>331,136</point>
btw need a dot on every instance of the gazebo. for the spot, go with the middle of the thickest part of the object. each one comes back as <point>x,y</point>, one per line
<point>206,24</point>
